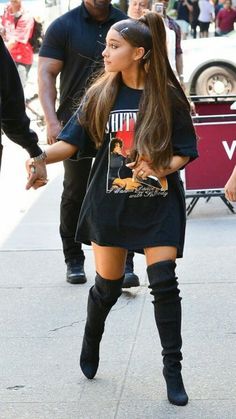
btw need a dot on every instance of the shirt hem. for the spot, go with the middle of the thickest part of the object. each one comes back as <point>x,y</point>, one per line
<point>136,248</point>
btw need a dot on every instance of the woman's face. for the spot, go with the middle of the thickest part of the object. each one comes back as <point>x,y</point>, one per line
<point>117,148</point>
<point>119,55</point>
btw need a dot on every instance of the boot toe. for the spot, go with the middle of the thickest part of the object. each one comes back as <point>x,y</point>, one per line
<point>75,272</point>
<point>89,368</point>
<point>178,398</point>
<point>130,280</point>
<point>175,388</point>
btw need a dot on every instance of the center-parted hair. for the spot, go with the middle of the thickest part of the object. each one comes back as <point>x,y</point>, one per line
<point>153,128</point>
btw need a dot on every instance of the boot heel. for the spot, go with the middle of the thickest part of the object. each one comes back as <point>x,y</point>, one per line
<point>175,388</point>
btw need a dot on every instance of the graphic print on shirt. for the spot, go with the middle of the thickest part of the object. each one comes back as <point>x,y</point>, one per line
<point>120,129</point>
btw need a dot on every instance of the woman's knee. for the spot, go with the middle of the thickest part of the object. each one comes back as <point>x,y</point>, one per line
<point>159,254</point>
<point>109,261</point>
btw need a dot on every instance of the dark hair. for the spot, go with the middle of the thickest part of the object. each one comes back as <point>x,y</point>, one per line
<point>115,141</point>
<point>135,32</point>
<point>153,128</point>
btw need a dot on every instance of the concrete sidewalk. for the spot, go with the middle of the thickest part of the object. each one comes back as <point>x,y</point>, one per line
<point>43,317</point>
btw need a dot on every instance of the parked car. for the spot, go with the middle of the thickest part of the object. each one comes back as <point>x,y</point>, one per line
<point>210,65</point>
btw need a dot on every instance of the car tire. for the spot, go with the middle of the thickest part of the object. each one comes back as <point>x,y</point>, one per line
<point>216,81</point>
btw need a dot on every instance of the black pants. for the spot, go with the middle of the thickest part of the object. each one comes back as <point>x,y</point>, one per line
<point>194,26</point>
<point>74,187</point>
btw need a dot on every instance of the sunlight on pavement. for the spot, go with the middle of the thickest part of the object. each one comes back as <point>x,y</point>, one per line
<point>15,200</point>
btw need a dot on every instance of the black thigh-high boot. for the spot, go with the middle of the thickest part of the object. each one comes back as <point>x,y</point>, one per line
<point>167,308</point>
<point>102,296</point>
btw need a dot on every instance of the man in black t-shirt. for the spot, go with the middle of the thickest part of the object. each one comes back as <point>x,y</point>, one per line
<point>72,47</point>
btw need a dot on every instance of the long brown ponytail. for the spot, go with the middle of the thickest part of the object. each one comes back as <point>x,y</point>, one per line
<point>154,123</point>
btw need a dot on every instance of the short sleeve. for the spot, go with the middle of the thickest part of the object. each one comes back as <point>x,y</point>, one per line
<point>74,133</point>
<point>54,43</point>
<point>184,138</point>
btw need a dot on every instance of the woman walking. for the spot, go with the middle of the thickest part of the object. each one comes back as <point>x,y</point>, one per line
<point>138,100</point>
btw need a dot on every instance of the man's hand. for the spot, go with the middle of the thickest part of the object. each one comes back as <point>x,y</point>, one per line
<point>53,130</point>
<point>192,108</point>
<point>37,174</point>
<point>230,187</point>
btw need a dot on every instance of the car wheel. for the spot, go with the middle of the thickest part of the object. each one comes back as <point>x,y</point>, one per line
<point>216,81</point>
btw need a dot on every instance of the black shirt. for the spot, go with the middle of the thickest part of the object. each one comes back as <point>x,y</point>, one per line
<point>182,10</point>
<point>118,211</point>
<point>78,40</point>
<point>13,119</point>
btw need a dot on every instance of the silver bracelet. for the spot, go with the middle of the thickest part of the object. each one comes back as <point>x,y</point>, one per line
<point>40,157</point>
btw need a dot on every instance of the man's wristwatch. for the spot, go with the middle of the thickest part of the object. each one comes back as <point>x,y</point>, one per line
<point>40,157</point>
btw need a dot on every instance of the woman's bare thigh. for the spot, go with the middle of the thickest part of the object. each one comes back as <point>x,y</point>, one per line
<point>160,253</point>
<point>109,261</point>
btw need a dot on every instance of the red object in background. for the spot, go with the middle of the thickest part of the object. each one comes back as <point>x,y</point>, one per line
<point>214,108</point>
<point>217,147</point>
<point>214,166</point>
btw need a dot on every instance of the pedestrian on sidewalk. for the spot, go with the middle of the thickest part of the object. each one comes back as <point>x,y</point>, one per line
<point>206,17</point>
<point>194,18</point>
<point>13,120</point>
<point>17,25</point>
<point>138,95</point>
<point>225,19</point>
<point>72,48</point>
<point>173,33</point>
<point>184,8</point>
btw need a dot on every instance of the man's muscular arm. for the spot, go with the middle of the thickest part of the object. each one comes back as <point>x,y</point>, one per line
<point>48,70</point>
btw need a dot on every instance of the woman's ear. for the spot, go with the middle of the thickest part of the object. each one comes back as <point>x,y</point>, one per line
<point>139,53</point>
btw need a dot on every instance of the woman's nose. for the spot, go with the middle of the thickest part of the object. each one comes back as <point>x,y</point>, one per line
<point>104,52</point>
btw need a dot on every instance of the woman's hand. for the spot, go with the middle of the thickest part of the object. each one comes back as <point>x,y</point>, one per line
<point>37,174</point>
<point>143,168</point>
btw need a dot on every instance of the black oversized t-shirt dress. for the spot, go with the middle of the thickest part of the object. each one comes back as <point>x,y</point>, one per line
<point>121,211</point>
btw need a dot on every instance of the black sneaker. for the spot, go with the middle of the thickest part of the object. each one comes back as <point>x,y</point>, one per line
<point>130,279</point>
<point>75,272</point>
